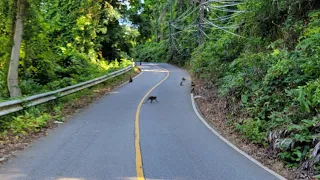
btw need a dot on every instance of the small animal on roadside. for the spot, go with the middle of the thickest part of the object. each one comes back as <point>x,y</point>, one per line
<point>181,83</point>
<point>140,63</point>
<point>183,79</point>
<point>192,87</point>
<point>130,80</point>
<point>152,98</point>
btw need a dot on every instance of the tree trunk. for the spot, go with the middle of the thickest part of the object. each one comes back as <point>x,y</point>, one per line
<point>160,22</point>
<point>13,80</point>
<point>170,30</point>
<point>201,22</point>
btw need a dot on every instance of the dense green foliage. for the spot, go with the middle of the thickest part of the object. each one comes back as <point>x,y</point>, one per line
<point>66,41</point>
<point>276,85</point>
<point>152,51</point>
<point>264,56</point>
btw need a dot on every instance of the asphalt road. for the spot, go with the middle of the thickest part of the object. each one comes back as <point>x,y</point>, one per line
<point>99,142</point>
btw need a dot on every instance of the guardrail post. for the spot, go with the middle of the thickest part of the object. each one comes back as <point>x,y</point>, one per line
<point>133,63</point>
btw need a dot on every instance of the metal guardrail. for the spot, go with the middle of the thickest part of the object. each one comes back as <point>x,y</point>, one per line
<point>20,104</point>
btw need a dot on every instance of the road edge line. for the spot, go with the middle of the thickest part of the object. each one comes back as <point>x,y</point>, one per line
<point>232,145</point>
<point>139,163</point>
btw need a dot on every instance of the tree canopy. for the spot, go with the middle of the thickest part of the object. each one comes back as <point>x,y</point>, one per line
<point>65,42</point>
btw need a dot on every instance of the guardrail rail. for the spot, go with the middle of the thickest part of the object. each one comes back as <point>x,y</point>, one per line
<point>11,106</point>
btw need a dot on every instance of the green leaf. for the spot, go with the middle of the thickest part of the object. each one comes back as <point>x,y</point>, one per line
<point>244,98</point>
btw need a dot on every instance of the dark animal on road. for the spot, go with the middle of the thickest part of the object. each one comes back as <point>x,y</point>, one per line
<point>192,87</point>
<point>181,84</point>
<point>151,98</point>
<point>183,79</point>
<point>130,80</point>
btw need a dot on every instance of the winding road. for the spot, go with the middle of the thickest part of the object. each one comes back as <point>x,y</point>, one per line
<point>119,138</point>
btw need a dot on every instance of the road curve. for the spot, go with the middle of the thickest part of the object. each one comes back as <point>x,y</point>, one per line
<point>99,142</point>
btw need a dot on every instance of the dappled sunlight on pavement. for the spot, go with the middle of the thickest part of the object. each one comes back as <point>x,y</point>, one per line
<point>153,70</point>
<point>12,174</point>
<point>64,178</point>
<point>135,178</point>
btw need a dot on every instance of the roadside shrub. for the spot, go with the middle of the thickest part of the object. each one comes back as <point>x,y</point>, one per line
<point>3,85</point>
<point>253,129</point>
<point>30,87</point>
<point>32,121</point>
<point>152,52</point>
<point>279,91</point>
<point>213,58</point>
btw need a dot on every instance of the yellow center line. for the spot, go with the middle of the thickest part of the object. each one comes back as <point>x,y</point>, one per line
<point>139,166</point>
